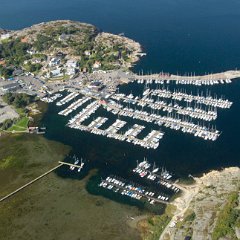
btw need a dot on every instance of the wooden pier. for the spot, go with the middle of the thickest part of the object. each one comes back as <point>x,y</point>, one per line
<point>30,183</point>
<point>38,178</point>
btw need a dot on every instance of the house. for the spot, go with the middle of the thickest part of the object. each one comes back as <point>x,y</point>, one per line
<point>96,65</point>
<point>60,55</point>
<point>17,72</point>
<point>87,53</point>
<point>5,36</point>
<point>2,62</point>
<point>31,51</point>
<point>36,60</point>
<point>63,37</point>
<point>71,71</point>
<point>54,62</point>
<point>71,64</point>
<point>24,40</point>
<point>55,73</point>
<point>71,67</point>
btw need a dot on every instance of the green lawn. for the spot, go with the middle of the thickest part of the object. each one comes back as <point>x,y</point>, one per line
<point>21,125</point>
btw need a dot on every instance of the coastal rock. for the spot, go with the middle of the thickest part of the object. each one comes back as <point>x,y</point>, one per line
<point>198,208</point>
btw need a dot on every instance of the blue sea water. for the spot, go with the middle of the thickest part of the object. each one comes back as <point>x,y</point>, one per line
<point>178,35</point>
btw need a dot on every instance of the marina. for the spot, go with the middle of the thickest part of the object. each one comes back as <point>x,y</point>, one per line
<point>195,118</point>
<point>155,177</point>
<point>181,94</point>
<point>159,176</point>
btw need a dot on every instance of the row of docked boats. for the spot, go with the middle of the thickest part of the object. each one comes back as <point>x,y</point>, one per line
<point>133,190</point>
<point>194,112</point>
<point>84,114</point>
<point>183,81</point>
<point>76,164</point>
<point>67,99</point>
<point>143,169</point>
<point>158,175</point>
<point>199,98</point>
<point>149,141</point>
<point>74,106</point>
<point>50,99</point>
<point>169,121</point>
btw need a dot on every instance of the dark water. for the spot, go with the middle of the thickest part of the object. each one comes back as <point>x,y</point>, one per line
<point>178,36</point>
<point>180,153</point>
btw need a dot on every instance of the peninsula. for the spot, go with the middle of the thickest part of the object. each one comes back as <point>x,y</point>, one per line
<point>62,49</point>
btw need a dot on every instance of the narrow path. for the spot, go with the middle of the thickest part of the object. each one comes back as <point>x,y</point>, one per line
<point>188,195</point>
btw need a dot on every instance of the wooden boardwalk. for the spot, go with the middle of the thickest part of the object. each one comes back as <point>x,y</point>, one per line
<point>38,178</point>
<point>29,183</point>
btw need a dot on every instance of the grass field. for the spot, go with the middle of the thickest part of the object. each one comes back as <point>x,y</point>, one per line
<point>21,125</point>
<point>26,154</point>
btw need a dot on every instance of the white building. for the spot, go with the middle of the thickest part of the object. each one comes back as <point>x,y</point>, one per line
<point>71,64</point>
<point>31,51</point>
<point>71,67</point>
<point>55,73</point>
<point>97,65</point>
<point>54,62</point>
<point>87,53</point>
<point>5,36</point>
<point>71,71</point>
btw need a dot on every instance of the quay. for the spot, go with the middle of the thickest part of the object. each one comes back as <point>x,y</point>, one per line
<point>191,79</point>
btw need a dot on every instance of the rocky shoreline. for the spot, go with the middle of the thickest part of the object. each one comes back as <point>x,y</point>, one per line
<point>202,201</point>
